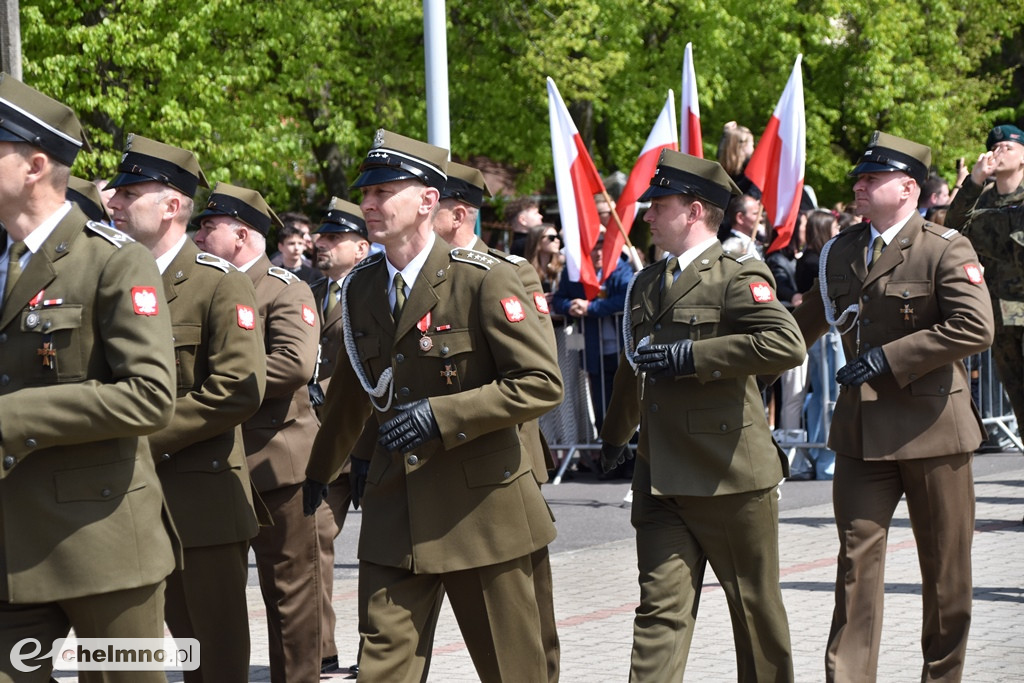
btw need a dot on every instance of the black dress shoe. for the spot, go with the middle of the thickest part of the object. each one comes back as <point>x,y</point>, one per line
<point>354,669</point>
<point>329,665</point>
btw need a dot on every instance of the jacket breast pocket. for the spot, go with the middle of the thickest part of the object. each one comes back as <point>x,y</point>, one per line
<point>702,321</point>
<point>59,355</point>
<point>908,298</point>
<point>450,351</point>
<point>187,339</point>
<point>99,484</point>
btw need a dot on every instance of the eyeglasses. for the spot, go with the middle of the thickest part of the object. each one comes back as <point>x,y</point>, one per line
<point>551,238</point>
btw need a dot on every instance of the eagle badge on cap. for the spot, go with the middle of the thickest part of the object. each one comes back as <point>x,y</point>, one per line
<point>378,138</point>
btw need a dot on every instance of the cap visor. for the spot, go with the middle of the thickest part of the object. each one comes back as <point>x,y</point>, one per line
<point>656,192</point>
<point>8,136</point>
<point>381,174</point>
<point>122,179</point>
<point>871,167</point>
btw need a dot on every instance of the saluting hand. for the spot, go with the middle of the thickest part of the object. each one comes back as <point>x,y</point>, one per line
<point>870,365</point>
<point>413,426</point>
<point>674,359</point>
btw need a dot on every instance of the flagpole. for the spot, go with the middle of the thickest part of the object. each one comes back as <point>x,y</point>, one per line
<point>634,257</point>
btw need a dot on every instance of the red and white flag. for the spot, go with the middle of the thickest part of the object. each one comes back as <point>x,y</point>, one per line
<point>663,136</point>
<point>689,125</point>
<point>777,166</point>
<point>576,181</point>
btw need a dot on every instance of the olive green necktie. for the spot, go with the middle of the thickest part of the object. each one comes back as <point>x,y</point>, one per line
<point>17,250</point>
<point>670,273</point>
<point>876,250</point>
<point>332,296</point>
<point>399,296</point>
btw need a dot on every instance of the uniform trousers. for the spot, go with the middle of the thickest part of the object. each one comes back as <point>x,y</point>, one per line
<point>940,500</point>
<point>1008,354</point>
<point>129,613</point>
<point>206,601</point>
<point>676,538</point>
<point>495,606</point>
<point>330,518</point>
<point>288,564</point>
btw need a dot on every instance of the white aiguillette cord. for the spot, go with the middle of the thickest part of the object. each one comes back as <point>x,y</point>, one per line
<point>828,305</point>
<point>384,383</point>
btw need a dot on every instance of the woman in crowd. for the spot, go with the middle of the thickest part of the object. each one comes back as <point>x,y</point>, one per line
<point>543,251</point>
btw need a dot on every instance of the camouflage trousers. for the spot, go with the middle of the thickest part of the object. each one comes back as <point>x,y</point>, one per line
<point>1008,355</point>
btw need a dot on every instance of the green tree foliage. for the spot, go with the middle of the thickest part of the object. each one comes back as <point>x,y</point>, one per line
<point>285,96</point>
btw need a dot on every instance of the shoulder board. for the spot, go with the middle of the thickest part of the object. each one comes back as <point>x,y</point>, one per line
<point>369,261</point>
<point>283,275</point>
<point>205,259</point>
<point>942,231</point>
<point>738,258</point>
<point>477,258</point>
<point>510,258</point>
<point>112,235</point>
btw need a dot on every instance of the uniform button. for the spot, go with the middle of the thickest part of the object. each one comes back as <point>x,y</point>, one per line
<point>165,456</point>
<point>105,493</point>
<point>654,407</point>
<point>657,327</point>
<point>412,460</point>
<point>444,350</point>
<point>693,319</point>
<point>47,325</point>
<point>652,380</point>
<point>3,338</point>
<point>274,421</point>
<point>723,427</point>
<point>942,390</point>
<point>9,462</point>
<point>5,380</point>
<point>461,436</point>
<point>906,293</point>
<point>506,474</point>
<point>399,358</point>
<point>30,443</point>
<point>866,321</point>
<point>715,374</point>
<point>913,376</point>
<point>215,464</point>
<point>404,391</point>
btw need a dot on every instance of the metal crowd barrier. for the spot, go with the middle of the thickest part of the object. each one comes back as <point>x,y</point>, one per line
<point>571,427</point>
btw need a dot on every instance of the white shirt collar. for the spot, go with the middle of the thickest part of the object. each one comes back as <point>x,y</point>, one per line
<point>165,258</point>
<point>35,239</point>
<point>691,254</point>
<point>411,271</point>
<point>890,233</point>
<point>246,266</point>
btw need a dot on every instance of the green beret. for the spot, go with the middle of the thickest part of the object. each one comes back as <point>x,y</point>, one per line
<point>1002,133</point>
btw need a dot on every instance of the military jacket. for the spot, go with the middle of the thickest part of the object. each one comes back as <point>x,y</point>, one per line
<point>705,434</point>
<point>86,372</point>
<point>221,368</point>
<point>279,436</point>
<point>926,305</point>
<point>995,225</point>
<point>331,337</point>
<point>466,342</point>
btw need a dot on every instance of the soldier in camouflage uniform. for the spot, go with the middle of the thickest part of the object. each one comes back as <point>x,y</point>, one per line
<point>989,209</point>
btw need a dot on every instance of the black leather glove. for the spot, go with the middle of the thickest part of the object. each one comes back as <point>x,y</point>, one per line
<point>357,479</point>
<point>613,456</point>
<point>313,493</point>
<point>675,359</point>
<point>413,426</point>
<point>867,367</point>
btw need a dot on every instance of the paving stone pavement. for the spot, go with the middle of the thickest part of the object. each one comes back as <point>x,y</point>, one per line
<point>596,593</point>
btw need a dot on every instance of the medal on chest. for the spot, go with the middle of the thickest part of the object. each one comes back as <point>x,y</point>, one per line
<point>426,343</point>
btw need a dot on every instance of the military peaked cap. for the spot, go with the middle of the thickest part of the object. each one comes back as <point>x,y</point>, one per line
<point>88,198</point>
<point>679,173</point>
<point>396,157</point>
<point>242,204</point>
<point>27,115</point>
<point>147,160</point>
<point>887,153</point>
<point>465,184</point>
<point>343,216</point>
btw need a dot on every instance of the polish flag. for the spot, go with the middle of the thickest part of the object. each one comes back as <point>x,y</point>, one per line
<point>777,166</point>
<point>663,136</point>
<point>689,126</point>
<point>576,181</point>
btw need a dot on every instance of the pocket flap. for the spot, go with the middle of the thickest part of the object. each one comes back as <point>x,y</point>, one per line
<point>47,320</point>
<point>100,483</point>
<point>696,315</point>
<point>908,289</point>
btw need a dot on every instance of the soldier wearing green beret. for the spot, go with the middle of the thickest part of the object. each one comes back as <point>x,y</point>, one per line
<point>341,241</point>
<point>86,372</point>
<point>989,209</point>
<point>442,348</point>
<point>699,326</point>
<point>221,369</point>
<point>910,303</point>
<point>278,438</point>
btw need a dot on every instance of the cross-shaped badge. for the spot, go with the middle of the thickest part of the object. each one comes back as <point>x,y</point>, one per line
<point>907,311</point>
<point>449,372</point>
<point>49,355</point>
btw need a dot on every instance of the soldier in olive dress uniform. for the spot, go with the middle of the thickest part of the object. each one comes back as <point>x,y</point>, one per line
<point>910,302</point>
<point>89,200</point>
<point>86,372</point>
<point>441,347</point>
<point>278,438</point>
<point>221,377</point>
<point>699,326</point>
<point>340,243</point>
